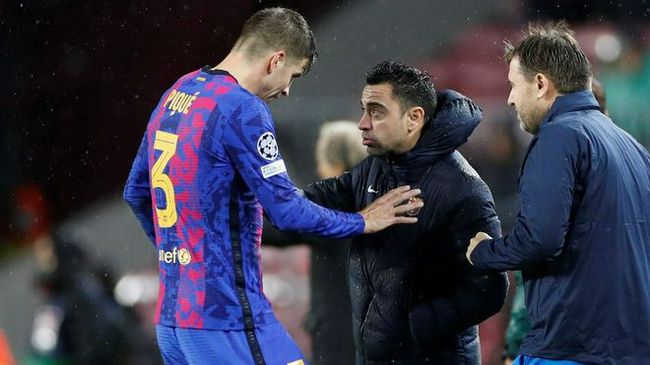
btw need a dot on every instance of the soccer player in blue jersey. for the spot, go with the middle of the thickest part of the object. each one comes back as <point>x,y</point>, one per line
<point>207,166</point>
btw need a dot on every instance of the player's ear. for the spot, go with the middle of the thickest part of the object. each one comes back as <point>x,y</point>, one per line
<point>275,61</point>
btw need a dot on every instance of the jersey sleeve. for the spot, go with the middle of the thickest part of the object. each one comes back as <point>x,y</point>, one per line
<point>137,192</point>
<point>250,143</point>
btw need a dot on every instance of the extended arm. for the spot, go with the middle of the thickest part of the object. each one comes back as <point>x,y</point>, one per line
<point>250,144</point>
<point>546,191</point>
<point>137,192</point>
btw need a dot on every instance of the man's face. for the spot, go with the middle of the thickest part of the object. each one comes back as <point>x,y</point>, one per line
<point>524,98</point>
<point>383,124</point>
<point>280,80</point>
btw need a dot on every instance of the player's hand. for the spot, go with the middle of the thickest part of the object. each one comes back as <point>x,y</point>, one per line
<point>388,209</point>
<point>480,237</point>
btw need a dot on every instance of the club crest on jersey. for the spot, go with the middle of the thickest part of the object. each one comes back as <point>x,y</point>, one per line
<point>413,200</point>
<point>267,147</point>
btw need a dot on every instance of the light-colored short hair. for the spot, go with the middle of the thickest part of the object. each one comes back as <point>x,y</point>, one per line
<point>339,142</point>
<point>277,28</point>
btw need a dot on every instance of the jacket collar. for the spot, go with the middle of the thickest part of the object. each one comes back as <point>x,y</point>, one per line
<point>455,119</point>
<point>580,100</point>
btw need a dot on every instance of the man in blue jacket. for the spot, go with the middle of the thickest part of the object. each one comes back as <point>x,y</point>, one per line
<point>582,236</point>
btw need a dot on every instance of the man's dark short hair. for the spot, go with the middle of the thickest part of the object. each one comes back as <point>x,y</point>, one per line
<point>552,50</point>
<point>279,28</point>
<point>411,86</point>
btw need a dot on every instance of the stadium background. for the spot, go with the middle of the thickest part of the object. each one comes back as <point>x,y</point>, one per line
<point>79,80</point>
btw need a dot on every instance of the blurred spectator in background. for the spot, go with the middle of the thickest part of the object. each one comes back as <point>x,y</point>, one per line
<point>329,321</point>
<point>31,213</point>
<point>599,94</point>
<point>627,81</point>
<point>80,322</point>
<point>6,358</point>
<point>26,216</point>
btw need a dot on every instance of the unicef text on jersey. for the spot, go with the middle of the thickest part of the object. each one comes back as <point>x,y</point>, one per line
<point>181,256</point>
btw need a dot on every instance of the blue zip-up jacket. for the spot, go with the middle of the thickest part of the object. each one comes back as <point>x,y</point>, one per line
<point>582,238</point>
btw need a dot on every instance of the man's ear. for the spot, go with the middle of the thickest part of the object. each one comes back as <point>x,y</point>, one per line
<point>544,86</point>
<point>415,119</point>
<point>277,59</point>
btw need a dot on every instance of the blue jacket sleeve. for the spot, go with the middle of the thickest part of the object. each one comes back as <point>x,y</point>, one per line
<point>546,194</point>
<point>137,192</point>
<point>249,140</point>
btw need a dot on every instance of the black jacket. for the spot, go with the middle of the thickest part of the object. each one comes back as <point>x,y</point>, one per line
<point>415,298</point>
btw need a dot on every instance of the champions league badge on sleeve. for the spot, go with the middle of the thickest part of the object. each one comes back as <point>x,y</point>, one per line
<point>267,147</point>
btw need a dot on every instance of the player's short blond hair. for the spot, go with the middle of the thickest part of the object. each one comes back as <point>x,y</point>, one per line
<point>278,28</point>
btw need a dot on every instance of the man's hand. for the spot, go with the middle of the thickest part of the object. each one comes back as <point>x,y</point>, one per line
<point>387,210</point>
<point>480,237</point>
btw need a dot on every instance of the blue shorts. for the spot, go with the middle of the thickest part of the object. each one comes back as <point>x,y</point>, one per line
<point>269,345</point>
<point>529,360</point>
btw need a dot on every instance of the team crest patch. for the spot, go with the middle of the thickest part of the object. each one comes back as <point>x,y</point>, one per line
<point>267,146</point>
<point>413,200</point>
<point>184,256</point>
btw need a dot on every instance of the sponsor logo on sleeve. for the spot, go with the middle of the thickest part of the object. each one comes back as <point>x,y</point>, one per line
<point>273,169</point>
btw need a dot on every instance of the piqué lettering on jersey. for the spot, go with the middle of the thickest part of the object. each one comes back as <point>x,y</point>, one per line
<point>178,101</point>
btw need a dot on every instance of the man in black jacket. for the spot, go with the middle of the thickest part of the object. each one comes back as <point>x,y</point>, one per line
<point>415,299</point>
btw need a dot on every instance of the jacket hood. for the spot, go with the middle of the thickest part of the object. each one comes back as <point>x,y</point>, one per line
<point>454,121</point>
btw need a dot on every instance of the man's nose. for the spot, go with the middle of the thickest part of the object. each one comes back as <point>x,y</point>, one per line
<point>364,122</point>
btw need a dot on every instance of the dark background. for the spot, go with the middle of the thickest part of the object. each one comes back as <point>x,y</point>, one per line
<point>80,79</point>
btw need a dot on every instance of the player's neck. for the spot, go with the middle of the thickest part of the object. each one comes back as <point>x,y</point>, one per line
<point>245,72</point>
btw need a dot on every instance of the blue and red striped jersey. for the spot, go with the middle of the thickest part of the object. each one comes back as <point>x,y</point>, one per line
<point>207,166</point>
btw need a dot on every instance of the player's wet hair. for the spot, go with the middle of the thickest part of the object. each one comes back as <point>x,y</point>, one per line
<point>552,50</point>
<point>278,29</point>
<point>411,86</point>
